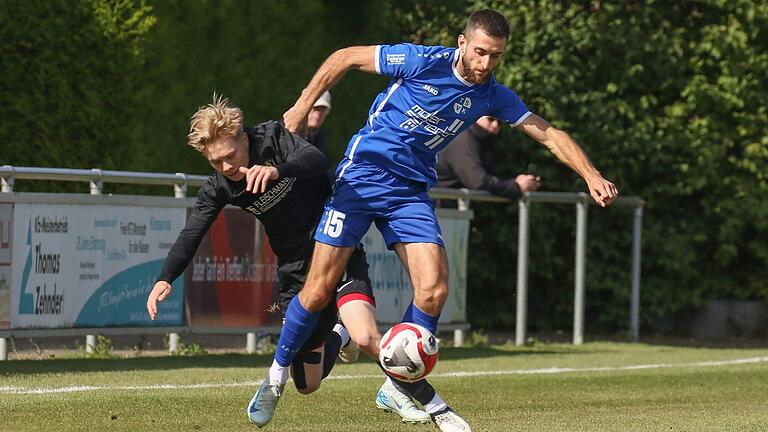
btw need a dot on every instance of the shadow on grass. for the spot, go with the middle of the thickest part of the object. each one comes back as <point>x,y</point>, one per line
<point>64,365</point>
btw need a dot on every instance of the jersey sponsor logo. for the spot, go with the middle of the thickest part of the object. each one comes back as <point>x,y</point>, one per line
<point>395,59</point>
<point>462,105</point>
<point>274,194</point>
<point>431,90</point>
<point>430,122</point>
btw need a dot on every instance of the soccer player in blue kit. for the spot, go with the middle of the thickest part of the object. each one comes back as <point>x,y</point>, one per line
<point>435,93</point>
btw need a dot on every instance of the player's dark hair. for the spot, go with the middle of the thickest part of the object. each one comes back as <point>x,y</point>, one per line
<point>490,22</point>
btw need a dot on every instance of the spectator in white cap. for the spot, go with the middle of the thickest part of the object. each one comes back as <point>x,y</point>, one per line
<point>315,121</point>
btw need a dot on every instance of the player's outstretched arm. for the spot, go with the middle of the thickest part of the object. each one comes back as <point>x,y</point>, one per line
<point>332,69</point>
<point>569,152</point>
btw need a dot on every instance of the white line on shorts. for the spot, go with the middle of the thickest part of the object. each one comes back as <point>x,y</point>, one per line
<point>552,370</point>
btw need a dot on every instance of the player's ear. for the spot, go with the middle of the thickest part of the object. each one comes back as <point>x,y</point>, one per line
<point>462,41</point>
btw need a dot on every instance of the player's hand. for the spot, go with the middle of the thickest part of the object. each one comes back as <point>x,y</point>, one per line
<point>257,177</point>
<point>296,121</point>
<point>159,292</point>
<point>528,182</point>
<point>602,191</point>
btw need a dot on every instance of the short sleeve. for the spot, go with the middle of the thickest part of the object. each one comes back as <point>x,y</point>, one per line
<point>407,60</point>
<point>508,107</point>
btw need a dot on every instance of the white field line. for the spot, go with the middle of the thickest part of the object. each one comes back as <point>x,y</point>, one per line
<point>552,370</point>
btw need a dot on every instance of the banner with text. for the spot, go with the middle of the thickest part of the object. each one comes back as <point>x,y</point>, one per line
<point>231,282</point>
<point>392,286</point>
<point>91,265</point>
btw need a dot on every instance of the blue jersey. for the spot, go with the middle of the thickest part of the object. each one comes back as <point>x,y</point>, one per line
<point>425,106</point>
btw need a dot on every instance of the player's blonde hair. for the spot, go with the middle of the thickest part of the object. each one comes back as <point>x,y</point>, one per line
<point>213,121</point>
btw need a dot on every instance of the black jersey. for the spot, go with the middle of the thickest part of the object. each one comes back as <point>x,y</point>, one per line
<point>289,209</point>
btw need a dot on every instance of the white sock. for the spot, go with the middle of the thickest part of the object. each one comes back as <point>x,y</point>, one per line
<point>341,331</point>
<point>437,404</point>
<point>278,374</point>
<point>389,383</point>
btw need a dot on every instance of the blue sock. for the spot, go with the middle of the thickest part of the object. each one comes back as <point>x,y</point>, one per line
<point>408,315</point>
<point>299,324</point>
<point>429,322</point>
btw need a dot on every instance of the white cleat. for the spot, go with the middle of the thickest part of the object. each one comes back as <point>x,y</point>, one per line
<point>350,352</point>
<point>262,406</point>
<point>390,399</point>
<point>448,421</point>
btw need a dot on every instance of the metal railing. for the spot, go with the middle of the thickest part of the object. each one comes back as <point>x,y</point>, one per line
<point>97,178</point>
<point>582,201</point>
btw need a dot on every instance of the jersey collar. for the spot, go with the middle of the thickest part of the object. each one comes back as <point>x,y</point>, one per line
<point>456,71</point>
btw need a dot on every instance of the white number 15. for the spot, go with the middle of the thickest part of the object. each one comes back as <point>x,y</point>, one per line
<point>334,223</point>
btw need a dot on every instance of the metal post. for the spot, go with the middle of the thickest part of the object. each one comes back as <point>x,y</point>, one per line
<point>458,338</point>
<point>7,182</point>
<point>3,349</point>
<point>581,264</point>
<point>97,184</point>
<point>463,201</point>
<point>173,343</point>
<point>250,342</point>
<point>634,313</point>
<point>180,189</point>
<point>90,343</point>
<point>522,272</point>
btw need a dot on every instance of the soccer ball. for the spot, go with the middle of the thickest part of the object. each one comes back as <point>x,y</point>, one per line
<point>408,352</point>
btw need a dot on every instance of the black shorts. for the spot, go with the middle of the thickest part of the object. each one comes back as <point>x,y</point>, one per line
<point>355,285</point>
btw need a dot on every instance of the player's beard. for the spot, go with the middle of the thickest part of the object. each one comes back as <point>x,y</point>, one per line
<point>466,72</point>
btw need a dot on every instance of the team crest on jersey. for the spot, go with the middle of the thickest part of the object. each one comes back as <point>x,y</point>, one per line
<point>462,105</point>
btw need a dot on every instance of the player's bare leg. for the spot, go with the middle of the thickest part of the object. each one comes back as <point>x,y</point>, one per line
<point>427,266</point>
<point>358,317</point>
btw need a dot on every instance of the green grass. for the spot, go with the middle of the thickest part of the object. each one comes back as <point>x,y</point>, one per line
<point>686,397</point>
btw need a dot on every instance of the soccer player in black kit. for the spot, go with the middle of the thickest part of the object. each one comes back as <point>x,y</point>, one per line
<point>280,179</point>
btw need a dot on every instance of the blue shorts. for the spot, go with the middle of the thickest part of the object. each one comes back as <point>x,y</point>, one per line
<point>364,193</point>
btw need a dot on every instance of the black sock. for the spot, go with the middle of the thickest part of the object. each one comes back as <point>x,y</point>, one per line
<point>332,347</point>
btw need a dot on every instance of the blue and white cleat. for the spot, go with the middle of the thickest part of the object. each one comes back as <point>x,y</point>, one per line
<point>390,399</point>
<point>448,421</point>
<point>263,404</point>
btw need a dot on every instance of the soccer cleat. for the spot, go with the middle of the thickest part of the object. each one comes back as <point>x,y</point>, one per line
<point>448,421</point>
<point>350,352</point>
<point>390,399</point>
<point>263,404</point>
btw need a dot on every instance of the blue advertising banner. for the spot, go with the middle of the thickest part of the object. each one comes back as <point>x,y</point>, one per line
<point>91,265</point>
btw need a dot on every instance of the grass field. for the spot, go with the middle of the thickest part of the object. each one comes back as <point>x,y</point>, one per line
<point>549,387</point>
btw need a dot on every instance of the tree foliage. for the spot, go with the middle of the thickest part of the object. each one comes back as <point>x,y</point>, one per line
<point>69,80</point>
<point>668,99</point>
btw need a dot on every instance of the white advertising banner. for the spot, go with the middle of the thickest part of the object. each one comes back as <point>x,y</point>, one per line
<point>6,228</point>
<point>91,265</point>
<point>392,286</point>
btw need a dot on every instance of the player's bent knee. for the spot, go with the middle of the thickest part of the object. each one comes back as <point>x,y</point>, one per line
<point>310,388</point>
<point>432,297</point>
<point>367,341</point>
